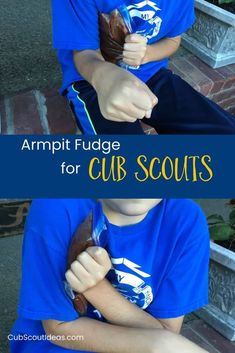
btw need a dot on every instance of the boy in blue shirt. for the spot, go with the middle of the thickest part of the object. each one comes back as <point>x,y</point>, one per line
<point>148,269</point>
<point>108,99</point>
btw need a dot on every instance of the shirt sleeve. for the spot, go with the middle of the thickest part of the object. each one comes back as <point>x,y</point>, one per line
<point>184,19</point>
<point>42,294</point>
<point>49,229</point>
<point>185,287</point>
<point>75,25</point>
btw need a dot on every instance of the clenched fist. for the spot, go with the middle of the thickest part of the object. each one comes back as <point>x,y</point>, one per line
<point>89,269</point>
<point>122,96</point>
<point>135,49</point>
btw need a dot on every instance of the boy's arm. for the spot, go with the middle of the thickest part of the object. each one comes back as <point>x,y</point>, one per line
<point>121,95</point>
<point>137,51</point>
<point>100,337</point>
<point>87,276</point>
<point>162,49</point>
<point>106,338</point>
<point>119,311</point>
<point>91,266</point>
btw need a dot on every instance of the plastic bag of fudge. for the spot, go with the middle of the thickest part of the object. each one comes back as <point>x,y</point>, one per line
<point>82,239</point>
<point>85,236</point>
<point>114,28</point>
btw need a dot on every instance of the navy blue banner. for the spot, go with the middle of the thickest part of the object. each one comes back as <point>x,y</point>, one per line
<point>117,166</point>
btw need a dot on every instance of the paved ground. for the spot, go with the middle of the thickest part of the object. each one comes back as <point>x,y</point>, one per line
<point>26,58</point>
<point>10,259</point>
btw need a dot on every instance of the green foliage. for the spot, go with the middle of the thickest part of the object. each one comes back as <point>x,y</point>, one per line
<point>232,218</point>
<point>220,2</point>
<point>221,232</point>
<point>214,219</point>
<point>220,229</point>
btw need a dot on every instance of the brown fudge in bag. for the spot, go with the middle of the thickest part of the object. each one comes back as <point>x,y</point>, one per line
<point>113,32</point>
<point>80,242</point>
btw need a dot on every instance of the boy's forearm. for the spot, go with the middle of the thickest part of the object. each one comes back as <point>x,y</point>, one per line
<point>122,97</point>
<point>100,337</point>
<point>118,310</point>
<point>91,65</point>
<point>106,338</point>
<point>162,49</point>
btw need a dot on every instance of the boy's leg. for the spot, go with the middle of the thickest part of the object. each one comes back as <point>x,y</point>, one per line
<point>182,110</point>
<point>84,103</point>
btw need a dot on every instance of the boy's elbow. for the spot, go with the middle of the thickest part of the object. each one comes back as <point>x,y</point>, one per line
<point>86,53</point>
<point>58,333</point>
<point>179,42</point>
<point>51,327</point>
<point>176,41</point>
<point>173,325</point>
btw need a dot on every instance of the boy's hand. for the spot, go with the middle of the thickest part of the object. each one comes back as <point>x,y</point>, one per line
<point>135,50</point>
<point>89,269</point>
<point>122,97</point>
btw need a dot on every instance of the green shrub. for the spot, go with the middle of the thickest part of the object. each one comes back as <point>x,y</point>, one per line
<point>221,230</point>
<point>220,2</point>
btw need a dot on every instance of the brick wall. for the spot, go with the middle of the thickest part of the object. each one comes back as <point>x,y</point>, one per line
<point>217,84</point>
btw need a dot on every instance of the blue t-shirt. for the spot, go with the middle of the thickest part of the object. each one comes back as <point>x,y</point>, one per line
<point>160,263</point>
<point>76,27</point>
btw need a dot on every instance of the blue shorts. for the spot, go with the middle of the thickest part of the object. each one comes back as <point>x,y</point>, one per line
<point>180,110</point>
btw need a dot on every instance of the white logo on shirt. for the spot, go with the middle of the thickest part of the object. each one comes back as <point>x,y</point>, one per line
<point>147,11</point>
<point>131,286</point>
